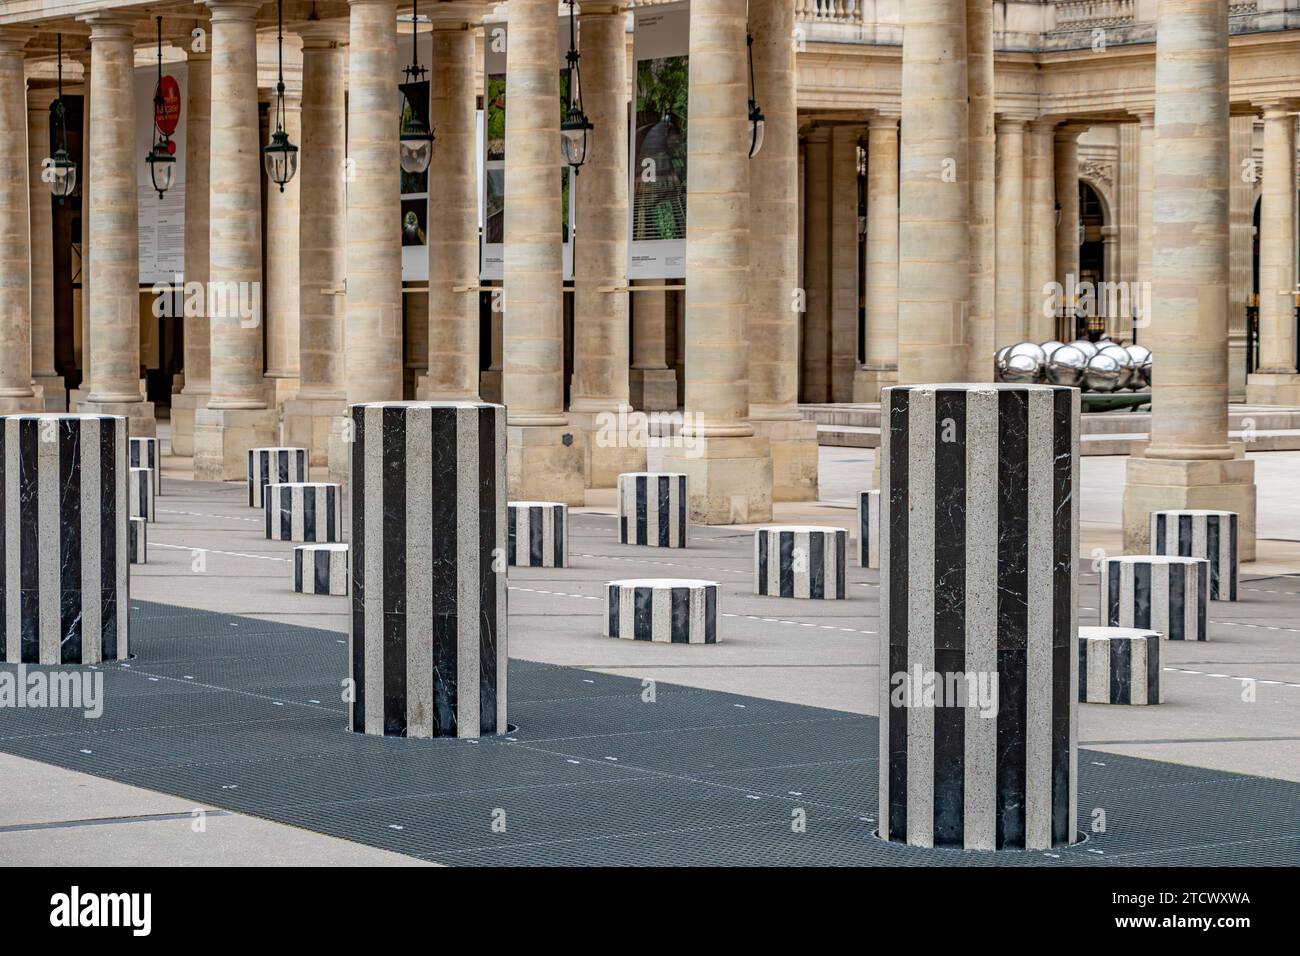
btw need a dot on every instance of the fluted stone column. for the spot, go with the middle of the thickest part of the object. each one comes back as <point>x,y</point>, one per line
<point>1066,152</point>
<point>1189,462</point>
<point>1276,382</point>
<point>980,312</point>
<point>843,261</point>
<point>1040,228</point>
<point>815,343</point>
<point>1126,191</point>
<point>322,243</point>
<point>546,457</point>
<point>729,467</point>
<point>1241,212</point>
<point>774,261</point>
<point>934,211</point>
<point>1012,321</point>
<point>16,393</point>
<point>282,278</point>
<point>652,385</point>
<point>44,375</point>
<point>82,391</point>
<point>600,329</point>
<point>114,228</point>
<point>880,368</point>
<point>1146,197</point>
<point>198,334</point>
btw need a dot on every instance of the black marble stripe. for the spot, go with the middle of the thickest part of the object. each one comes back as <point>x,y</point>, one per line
<point>321,577</point>
<point>613,611</point>
<point>786,571</point>
<point>445,476</point>
<point>898,608</point>
<point>1201,573</point>
<point>864,529</point>
<point>1142,595</point>
<point>333,513</point>
<point>681,512</point>
<point>710,613</point>
<point>763,562</point>
<point>512,542</point>
<point>816,565</point>
<point>285,496</point>
<point>1121,672</point>
<point>1083,675</point>
<point>1158,546</point>
<point>358,569</point>
<point>1212,552</point>
<point>29,542</point>
<point>663,484</point>
<point>1113,571</point>
<point>1177,602</point>
<point>489,624</point>
<point>642,614</point>
<point>297,570</point>
<point>1184,536</point>
<point>841,556</point>
<point>642,511</point>
<point>112,462</point>
<point>680,619</point>
<point>557,519</point>
<point>1232,555</point>
<point>1153,669</point>
<point>71,619</point>
<point>394,585</point>
<point>949,769</point>
<point>536,538</point>
<point>309,515</point>
<point>1064,636</point>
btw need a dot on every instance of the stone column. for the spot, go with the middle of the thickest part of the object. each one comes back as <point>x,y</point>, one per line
<point>815,344</point>
<point>1040,230</point>
<point>774,261</point>
<point>1126,191</point>
<point>844,261</point>
<point>322,243</point>
<point>1241,211</point>
<point>980,312</point>
<point>1146,196</point>
<point>600,330</point>
<point>282,278</point>
<point>1189,462</point>
<point>1275,382</point>
<point>198,335</point>
<point>236,417</point>
<point>82,391</point>
<point>1012,325</point>
<point>934,212</point>
<point>114,228</point>
<point>880,368</point>
<point>652,385</point>
<point>42,252</point>
<point>16,393</point>
<point>1066,152</point>
<point>546,456</point>
<point>729,467</point>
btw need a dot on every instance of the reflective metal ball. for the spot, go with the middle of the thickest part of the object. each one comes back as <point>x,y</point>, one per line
<point>1050,347</point>
<point>1000,362</point>
<point>1084,346</point>
<point>1022,369</point>
<point>1128,375</point>
<point>1141,356</point>
<point>1029,348</point>
<point>1066,366</point>
<point>1103,373</point>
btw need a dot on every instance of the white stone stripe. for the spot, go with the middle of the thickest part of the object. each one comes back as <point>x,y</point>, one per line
<point>1137,671</point>
<point>920,634</point>
<point>502,621</point>
<point>882,668</point>
<point>373,450</point>
<point>469,622</point>
<point>1098,674</point>
<point>1075,492</point>
<point>13,551</point>
<point>419,573</point>
<point>123,563</point>
<point>1040,615</point>
<point>49,538</point>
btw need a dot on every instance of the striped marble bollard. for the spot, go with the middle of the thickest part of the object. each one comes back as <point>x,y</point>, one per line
<point>274,466</point>
<point>1119,665</point>
<point>537,534</point>
<point>652,509</point>
<point>320,569</point>
<point>800,561</point>
<point>662,610</point>
<point>303,511</point>
<point>428,623</point>
<point>1201,534</point>
<point>869,529</point>
<point>139,541</point>
<point>64,569</point>
<point>1162,593</point>
<point>141,493</point>
<point>143,453</point>
<point>978,615</point>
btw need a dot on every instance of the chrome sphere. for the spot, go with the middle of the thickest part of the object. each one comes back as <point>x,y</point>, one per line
<point>1141,356</point>
<point>1000,362</point>
<point>1029,348</point>
<point>1128,375</point>
<point>1022,369</point>
<point>1103,373</point>
<point>1066,366</point>
<point>1084,346</point>
<point>1050,347</point>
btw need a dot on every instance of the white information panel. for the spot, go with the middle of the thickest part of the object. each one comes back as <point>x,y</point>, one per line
<point>162,221</point>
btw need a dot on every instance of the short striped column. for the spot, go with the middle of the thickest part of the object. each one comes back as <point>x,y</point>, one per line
<point>537,534</point>
<point>1211,535</point>
<point>1119,665</point>
<point>978,615</point>
<point>662,610</point>
<point>652,509</point>
<point>141,491</point>
<point>800,561</point>
<point>320,569</point>
<point>143,453</point>
<point>1162,593</point>
<point>139,541</point>
<point>303,511</point>
<point>64,568</point>
<point>869,529</point>
<point>274,466</point>
<point>428,623</point>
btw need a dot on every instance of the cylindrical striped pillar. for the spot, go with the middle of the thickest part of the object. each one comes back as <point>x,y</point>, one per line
<point>273,466</point>
<point>652,509</point>
<point>800,561</point>
<point>1119,665</point>
<point>320,569</point>
<point>64,580</point>
<point>140,491</point>
<point>537,534</point>
<point>978,615</point>
<point>869,528</point>
<point>303,511</point>
<point>663,610</point>
<point>139,541</point>
<point>428,541</point>
<point>1201,534</point>
<point>143,453</point>
<point>1161,592</point>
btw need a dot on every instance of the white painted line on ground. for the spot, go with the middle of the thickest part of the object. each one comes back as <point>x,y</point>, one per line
<point>198,514</point>
<point>231,554</point>
<point>1256,680</point>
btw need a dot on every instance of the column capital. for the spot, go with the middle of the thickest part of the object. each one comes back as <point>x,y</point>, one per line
<point>232,10</point>
<point>320,34</point>
<point>1277,109</point>
<point>14,39</point>
<point>1068,132</point>
<point>453,15</point>
<point>1009,124</point>
<point>883,120</point>
<point>109,25</point>
<point>39,98</point>
<point>591,9</point>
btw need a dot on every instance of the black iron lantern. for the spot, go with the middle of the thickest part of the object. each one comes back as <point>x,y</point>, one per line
<point>280,157</point>
<point>756,120</point>
<point>574,125</point>
<point>162,155</point>
<point>59,169</point>
<point>415,141</point>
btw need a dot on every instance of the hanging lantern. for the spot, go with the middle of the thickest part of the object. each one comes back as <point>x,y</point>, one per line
<point>574,125</point>
<point>58,169</point>
<point>166,110</point>
<point>415,142</point>
<point>756,120</point>
<point>280,156</point>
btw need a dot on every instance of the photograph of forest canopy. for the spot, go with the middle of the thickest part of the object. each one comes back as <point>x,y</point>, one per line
<point>659,197</point>
<point>496,117</point>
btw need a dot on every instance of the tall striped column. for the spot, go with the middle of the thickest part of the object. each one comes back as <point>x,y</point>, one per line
<point>64,593</point>
<point>1201,534</point>
<point>428,623</point>
<point>978,612</point>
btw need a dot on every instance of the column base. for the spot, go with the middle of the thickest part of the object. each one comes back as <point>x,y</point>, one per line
<point>541,466</point>
<point>795,457</point>
<point>729,479</point>
<point>223,436</point>
<point>1160,484</point>
<point>869,380</point>
<point>76,396</point>
<point>27,403</point>
<point>652,389</point>
<point>1273,388</point>
<point>56,393</point>
<point>184,406</point>
<point>140,422</point>
<point>1236,366</point>
<point>308,423</point>
<point>613,443</point>
<point>280,390</point>
<point>489,385</point>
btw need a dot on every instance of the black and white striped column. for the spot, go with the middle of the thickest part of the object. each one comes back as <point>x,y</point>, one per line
<point>869,529</point>
<point>140,484</point>
<point>800,561</point>
<point>274,466</point>
<point>303,511</point>
<point>139,541</point>
<point>1164,593</point>
<point>320,569</point>
<point>64,575</point>
<point>978,614</point>
<point>428,623</point>
<point>652,509</point>
<point>662,610</point>
<point>1119,665</point>
<point>538,534</point>
<point>144,453</point>
<point>1201,534</point>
